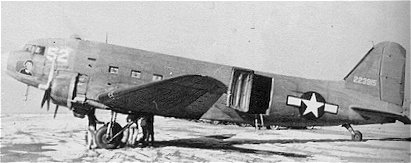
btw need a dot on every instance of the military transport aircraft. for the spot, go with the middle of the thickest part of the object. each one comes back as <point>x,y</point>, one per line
<point>84,75</point>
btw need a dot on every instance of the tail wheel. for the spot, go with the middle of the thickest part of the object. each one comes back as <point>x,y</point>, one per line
<point>102,138</point>
<point>357,136</point>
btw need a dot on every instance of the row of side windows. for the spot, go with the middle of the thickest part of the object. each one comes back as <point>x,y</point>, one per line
<point>134,73</point>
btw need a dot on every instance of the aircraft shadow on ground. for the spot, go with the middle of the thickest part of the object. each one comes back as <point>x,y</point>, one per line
<point>392,139</point>
<point>215,142</point>
<point>24,152</point>
<point>218,142</point>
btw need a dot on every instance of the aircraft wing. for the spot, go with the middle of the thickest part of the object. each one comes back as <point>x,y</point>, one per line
<point>187,96</point>
<point>377,114</point>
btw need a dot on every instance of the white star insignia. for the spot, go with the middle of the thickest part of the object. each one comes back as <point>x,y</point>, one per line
<point>312,105</point>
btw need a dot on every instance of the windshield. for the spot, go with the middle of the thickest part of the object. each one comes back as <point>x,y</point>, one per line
<point>39,50</point>
<point>35,49</point>
<point>27,47</point>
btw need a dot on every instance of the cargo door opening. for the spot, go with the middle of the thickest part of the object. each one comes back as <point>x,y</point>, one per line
<point>250,92</point>
<point>260,94</point>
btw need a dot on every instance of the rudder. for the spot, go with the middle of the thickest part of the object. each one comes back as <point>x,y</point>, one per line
<point>381,73</point>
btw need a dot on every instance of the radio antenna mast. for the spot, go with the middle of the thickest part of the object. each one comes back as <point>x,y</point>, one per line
<point>106,38</point>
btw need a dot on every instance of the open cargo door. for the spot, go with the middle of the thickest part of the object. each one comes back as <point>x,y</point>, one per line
<point>249,92</point>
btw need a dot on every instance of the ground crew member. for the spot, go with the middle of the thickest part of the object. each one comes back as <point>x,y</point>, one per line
<point>91,129</point>
<point>145,124</point>
<point>129,132</point>
<point>132,132</point>
<point>150,129</point>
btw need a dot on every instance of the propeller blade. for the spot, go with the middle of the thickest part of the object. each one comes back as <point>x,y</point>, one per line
<point>27,93</point>
<point>47,92</point>
<point>45,96</point>
<point>55,111</point>
<point>48,103</point>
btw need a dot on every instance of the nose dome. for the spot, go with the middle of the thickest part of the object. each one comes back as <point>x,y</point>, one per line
<point>12,62</point>
<point>16,60</point>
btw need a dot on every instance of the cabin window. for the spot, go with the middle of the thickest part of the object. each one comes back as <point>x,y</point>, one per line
<point>135,74</point>
<point>113,70</point>
<point>157,77</point>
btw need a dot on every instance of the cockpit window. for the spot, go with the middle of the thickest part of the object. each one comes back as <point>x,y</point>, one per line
<point>39,50</point>
<point>27,47</point>
<point>35,49</point>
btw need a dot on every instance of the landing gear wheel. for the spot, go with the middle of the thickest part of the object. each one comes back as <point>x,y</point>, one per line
<point>273,127</point>
<point>357,136</point>
<point>102,139</point>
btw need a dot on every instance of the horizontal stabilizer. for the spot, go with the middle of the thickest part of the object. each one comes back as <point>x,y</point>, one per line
<point>382,114</point>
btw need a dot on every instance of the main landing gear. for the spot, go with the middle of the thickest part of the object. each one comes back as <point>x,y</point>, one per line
<point>109,135</point>
<point>355,134</point>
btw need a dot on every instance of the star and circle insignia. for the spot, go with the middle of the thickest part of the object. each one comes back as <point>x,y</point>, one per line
<point>312,105</point>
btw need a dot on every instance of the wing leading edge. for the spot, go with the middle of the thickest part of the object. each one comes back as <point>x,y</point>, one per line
<point>188,96</point>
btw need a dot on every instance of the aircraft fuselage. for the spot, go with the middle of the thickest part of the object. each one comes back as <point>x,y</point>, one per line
<point>96,68</point>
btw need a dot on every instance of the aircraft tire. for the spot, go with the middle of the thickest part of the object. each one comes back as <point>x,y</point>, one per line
<point>86,137</point>
<point>101,137</point>
<point>275,127</point>
<point>357,136</point>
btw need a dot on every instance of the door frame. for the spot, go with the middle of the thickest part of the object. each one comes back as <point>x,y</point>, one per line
<point>233,93</point>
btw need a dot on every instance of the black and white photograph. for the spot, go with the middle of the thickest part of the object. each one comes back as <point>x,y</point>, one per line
<point>205,81</point>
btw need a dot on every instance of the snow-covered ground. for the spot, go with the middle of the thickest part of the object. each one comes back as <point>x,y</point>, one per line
<point>39,137</point>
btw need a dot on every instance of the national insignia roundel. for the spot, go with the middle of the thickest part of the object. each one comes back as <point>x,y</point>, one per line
<point>312,105</point>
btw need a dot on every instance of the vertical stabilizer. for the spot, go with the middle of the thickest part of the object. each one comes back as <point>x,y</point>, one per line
<point>381,73</point>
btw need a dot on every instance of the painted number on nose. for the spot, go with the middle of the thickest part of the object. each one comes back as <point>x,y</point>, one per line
<point>365,81</point>
<point>61,54</point>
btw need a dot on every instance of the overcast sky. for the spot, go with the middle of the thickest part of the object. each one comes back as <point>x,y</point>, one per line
<point>322,40</point>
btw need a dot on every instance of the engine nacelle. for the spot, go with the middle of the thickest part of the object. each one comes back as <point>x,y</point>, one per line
<point>63,88</point>
<point>67,86</point>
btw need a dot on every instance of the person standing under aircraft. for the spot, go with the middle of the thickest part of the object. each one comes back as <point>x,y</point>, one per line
<point>145,123</point>
<point>91,130</point>
<point>150,129</point>
<point>142,128</point>
<point>124,139</point>
<point>137,132</point>
<point>133,130</point>
<point>129,131</point>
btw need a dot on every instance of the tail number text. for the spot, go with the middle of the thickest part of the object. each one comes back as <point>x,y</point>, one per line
<point>365,81</point>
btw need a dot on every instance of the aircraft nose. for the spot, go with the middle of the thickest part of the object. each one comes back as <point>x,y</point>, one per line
<point>15,62</point>
<point>11,62</point>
